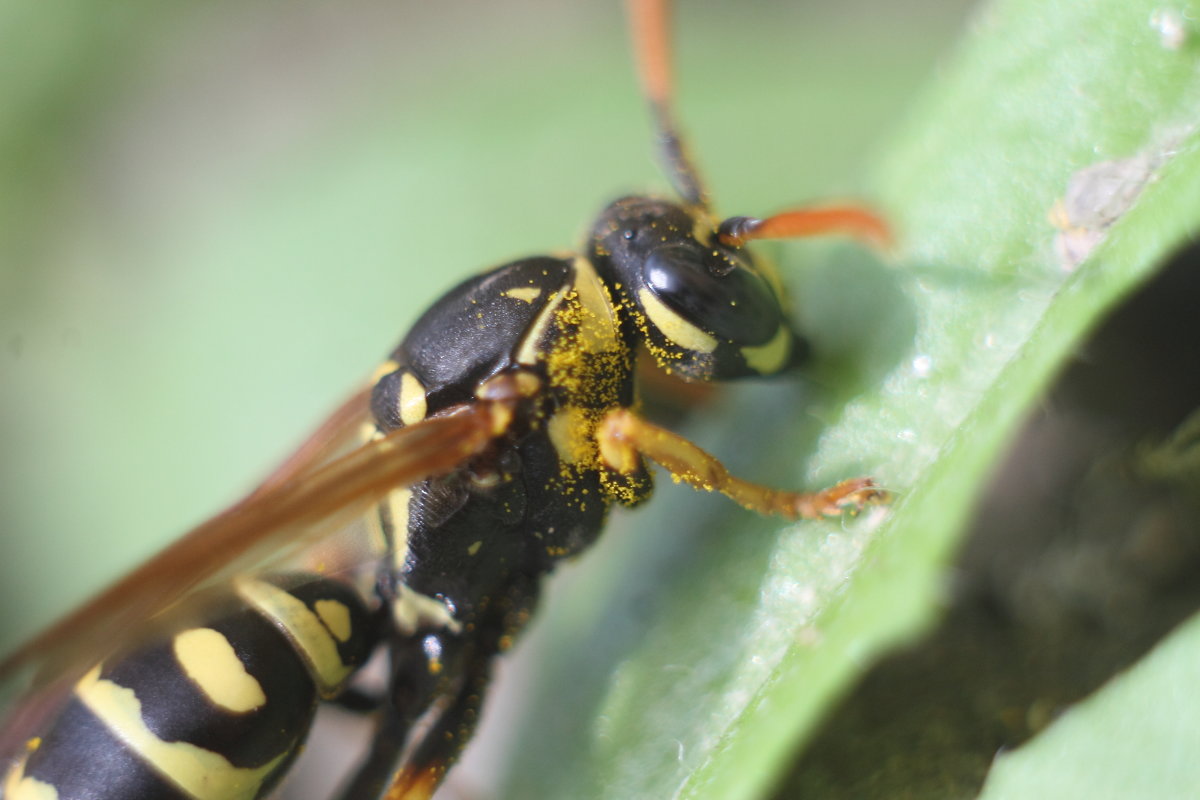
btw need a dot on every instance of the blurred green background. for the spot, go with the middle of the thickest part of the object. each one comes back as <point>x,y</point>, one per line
<point>215,219</point>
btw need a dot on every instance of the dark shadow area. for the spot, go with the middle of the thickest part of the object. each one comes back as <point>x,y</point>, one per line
<point>1083,555</point>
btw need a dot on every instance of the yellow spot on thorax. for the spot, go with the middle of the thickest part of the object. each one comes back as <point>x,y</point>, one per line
<point>526,294</point>
<point>386,368</point>
<point>412,401</point>
<point>367,432</point>
<point>530,350</point>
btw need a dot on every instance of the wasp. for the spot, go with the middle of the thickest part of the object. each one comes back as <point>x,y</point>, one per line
<point>492,444</point>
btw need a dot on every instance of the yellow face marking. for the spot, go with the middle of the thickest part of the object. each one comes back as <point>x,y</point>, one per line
<point>210,662</point>
<point>526,294</point>
<point>412,399</point>
<point>303,627</point>
<point>474,548</point>
<point>18,787</point>
<point>530,348</point>
<point>769,358</point>
<point>675,327</point>
<point>336,617</point>
<point>201,773</point>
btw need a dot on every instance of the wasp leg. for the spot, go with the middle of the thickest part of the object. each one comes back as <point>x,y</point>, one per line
<point>623,437</point>
<point>447,672</point>
<point>419,678</point>
<point>500,618</point>
<point>358,701</point>
<point>440,746</point>
<point>387,745</point>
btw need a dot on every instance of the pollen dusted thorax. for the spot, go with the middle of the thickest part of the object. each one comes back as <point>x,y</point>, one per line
<point>542,492</point>
<point>469,550</point>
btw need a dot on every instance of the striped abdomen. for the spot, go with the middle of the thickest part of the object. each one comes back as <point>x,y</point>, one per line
<point>213,706</point>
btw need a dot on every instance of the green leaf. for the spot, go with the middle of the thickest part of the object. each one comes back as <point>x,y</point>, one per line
<point>1135,738</point>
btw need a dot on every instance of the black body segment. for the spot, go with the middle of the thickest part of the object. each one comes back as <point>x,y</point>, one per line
<point>81,758</point>
<point>173,703</point>
<point>468,334</point>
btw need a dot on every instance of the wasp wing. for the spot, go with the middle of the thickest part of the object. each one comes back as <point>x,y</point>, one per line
<point>301,499</point>
<point>343,427</point>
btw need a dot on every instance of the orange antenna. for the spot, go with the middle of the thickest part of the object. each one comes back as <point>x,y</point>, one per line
<point>849,220</point>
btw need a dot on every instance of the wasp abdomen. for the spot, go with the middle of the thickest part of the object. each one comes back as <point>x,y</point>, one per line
<point>213,706</point>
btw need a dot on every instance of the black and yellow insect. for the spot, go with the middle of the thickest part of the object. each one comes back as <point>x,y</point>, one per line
<point>500,433</point>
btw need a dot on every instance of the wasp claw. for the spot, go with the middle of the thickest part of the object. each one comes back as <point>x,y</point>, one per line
<point>848,497</point>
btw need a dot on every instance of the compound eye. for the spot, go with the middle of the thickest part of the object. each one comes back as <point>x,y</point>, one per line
<point>734,304</point>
